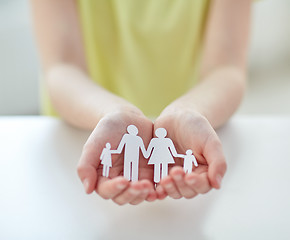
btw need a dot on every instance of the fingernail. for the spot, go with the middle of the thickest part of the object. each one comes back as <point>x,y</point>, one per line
<point>169,185</point>
<point>191,181</point>
<point>159,190</point>
<point>177,177</point>
<point>121,186</point>
<point>146,191</point>
<point>134,191</point>
<point>219,180</point>
<point>86,184</point>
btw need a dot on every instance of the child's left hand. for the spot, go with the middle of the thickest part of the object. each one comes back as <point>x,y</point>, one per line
<point>190,130</point>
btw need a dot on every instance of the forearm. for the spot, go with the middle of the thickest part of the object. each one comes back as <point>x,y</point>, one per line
<point>78,100</point>
<point>216,97</point>
<point>224,63</point>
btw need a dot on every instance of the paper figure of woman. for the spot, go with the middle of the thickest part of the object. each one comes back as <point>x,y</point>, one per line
<point>106,159</point>
<point>162,149</point>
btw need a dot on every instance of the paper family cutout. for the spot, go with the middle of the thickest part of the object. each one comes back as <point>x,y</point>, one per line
<point>160,152</point>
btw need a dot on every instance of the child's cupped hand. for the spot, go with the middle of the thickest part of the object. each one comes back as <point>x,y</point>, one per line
<point>187,129</point>
<point>110,129</point>
<point>190,130</point>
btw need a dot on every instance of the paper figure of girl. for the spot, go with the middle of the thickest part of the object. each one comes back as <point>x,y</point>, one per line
<point>106,159</point>
<point>162,151</point>
<point>189,158</point>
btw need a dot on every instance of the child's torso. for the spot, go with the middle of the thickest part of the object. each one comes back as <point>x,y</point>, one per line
<point>146,51</point>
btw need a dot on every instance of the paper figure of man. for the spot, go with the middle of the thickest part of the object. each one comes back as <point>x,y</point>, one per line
<point>132,145</point>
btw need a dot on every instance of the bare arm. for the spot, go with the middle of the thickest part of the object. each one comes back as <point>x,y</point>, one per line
<point>83,103</point>
<point>74,95</point>
<point>191,119</point>
<point>223,72</point>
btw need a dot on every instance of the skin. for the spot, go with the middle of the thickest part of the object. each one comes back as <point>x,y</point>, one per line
<point>190,120</point>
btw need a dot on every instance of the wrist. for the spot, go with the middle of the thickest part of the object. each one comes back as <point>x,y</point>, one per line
<point>180,110</point>
<point>174,115</point>
<point>126,109</point>
<point>124,113</point>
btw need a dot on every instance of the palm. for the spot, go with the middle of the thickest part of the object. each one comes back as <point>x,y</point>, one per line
<point>188,136</point>
<point>112,131</point>
<point>196,140</point>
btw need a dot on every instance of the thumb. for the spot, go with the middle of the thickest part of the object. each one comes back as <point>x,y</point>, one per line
<point>217,164</point>
<point>88,176</point>
<point>216,172</point>
<point>87,167</point>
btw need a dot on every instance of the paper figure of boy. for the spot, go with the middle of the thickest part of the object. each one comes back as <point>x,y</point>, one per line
<point>132,144</point>
<point>189,158</point>
<point>163,149</point>
<point>106,159</point>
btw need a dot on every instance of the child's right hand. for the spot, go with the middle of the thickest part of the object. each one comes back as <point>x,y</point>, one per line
<point>110,129</point>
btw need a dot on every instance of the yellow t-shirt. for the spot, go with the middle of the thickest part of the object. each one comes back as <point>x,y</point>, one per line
<point>146,51</point>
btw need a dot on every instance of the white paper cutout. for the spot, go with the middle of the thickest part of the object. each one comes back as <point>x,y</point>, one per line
<point>106,159</point>
<point>132,144</point>
<point>189,158</point>
<point>162,149</point>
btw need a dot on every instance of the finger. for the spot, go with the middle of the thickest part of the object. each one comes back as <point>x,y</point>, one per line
<point>110,188</point>
<point>213,153</point>
<point>87,166</point>
<point>169,186</point>
<point>177,174</point>
<point>147,186</point>
<point>131,193</point>
<point>141,198</point>
<point>152,196</point>
<point>161,193</point>
<point>88,176</point>
<point>198,182</point>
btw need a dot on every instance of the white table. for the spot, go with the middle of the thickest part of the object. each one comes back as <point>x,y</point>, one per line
<point>42,198</point>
